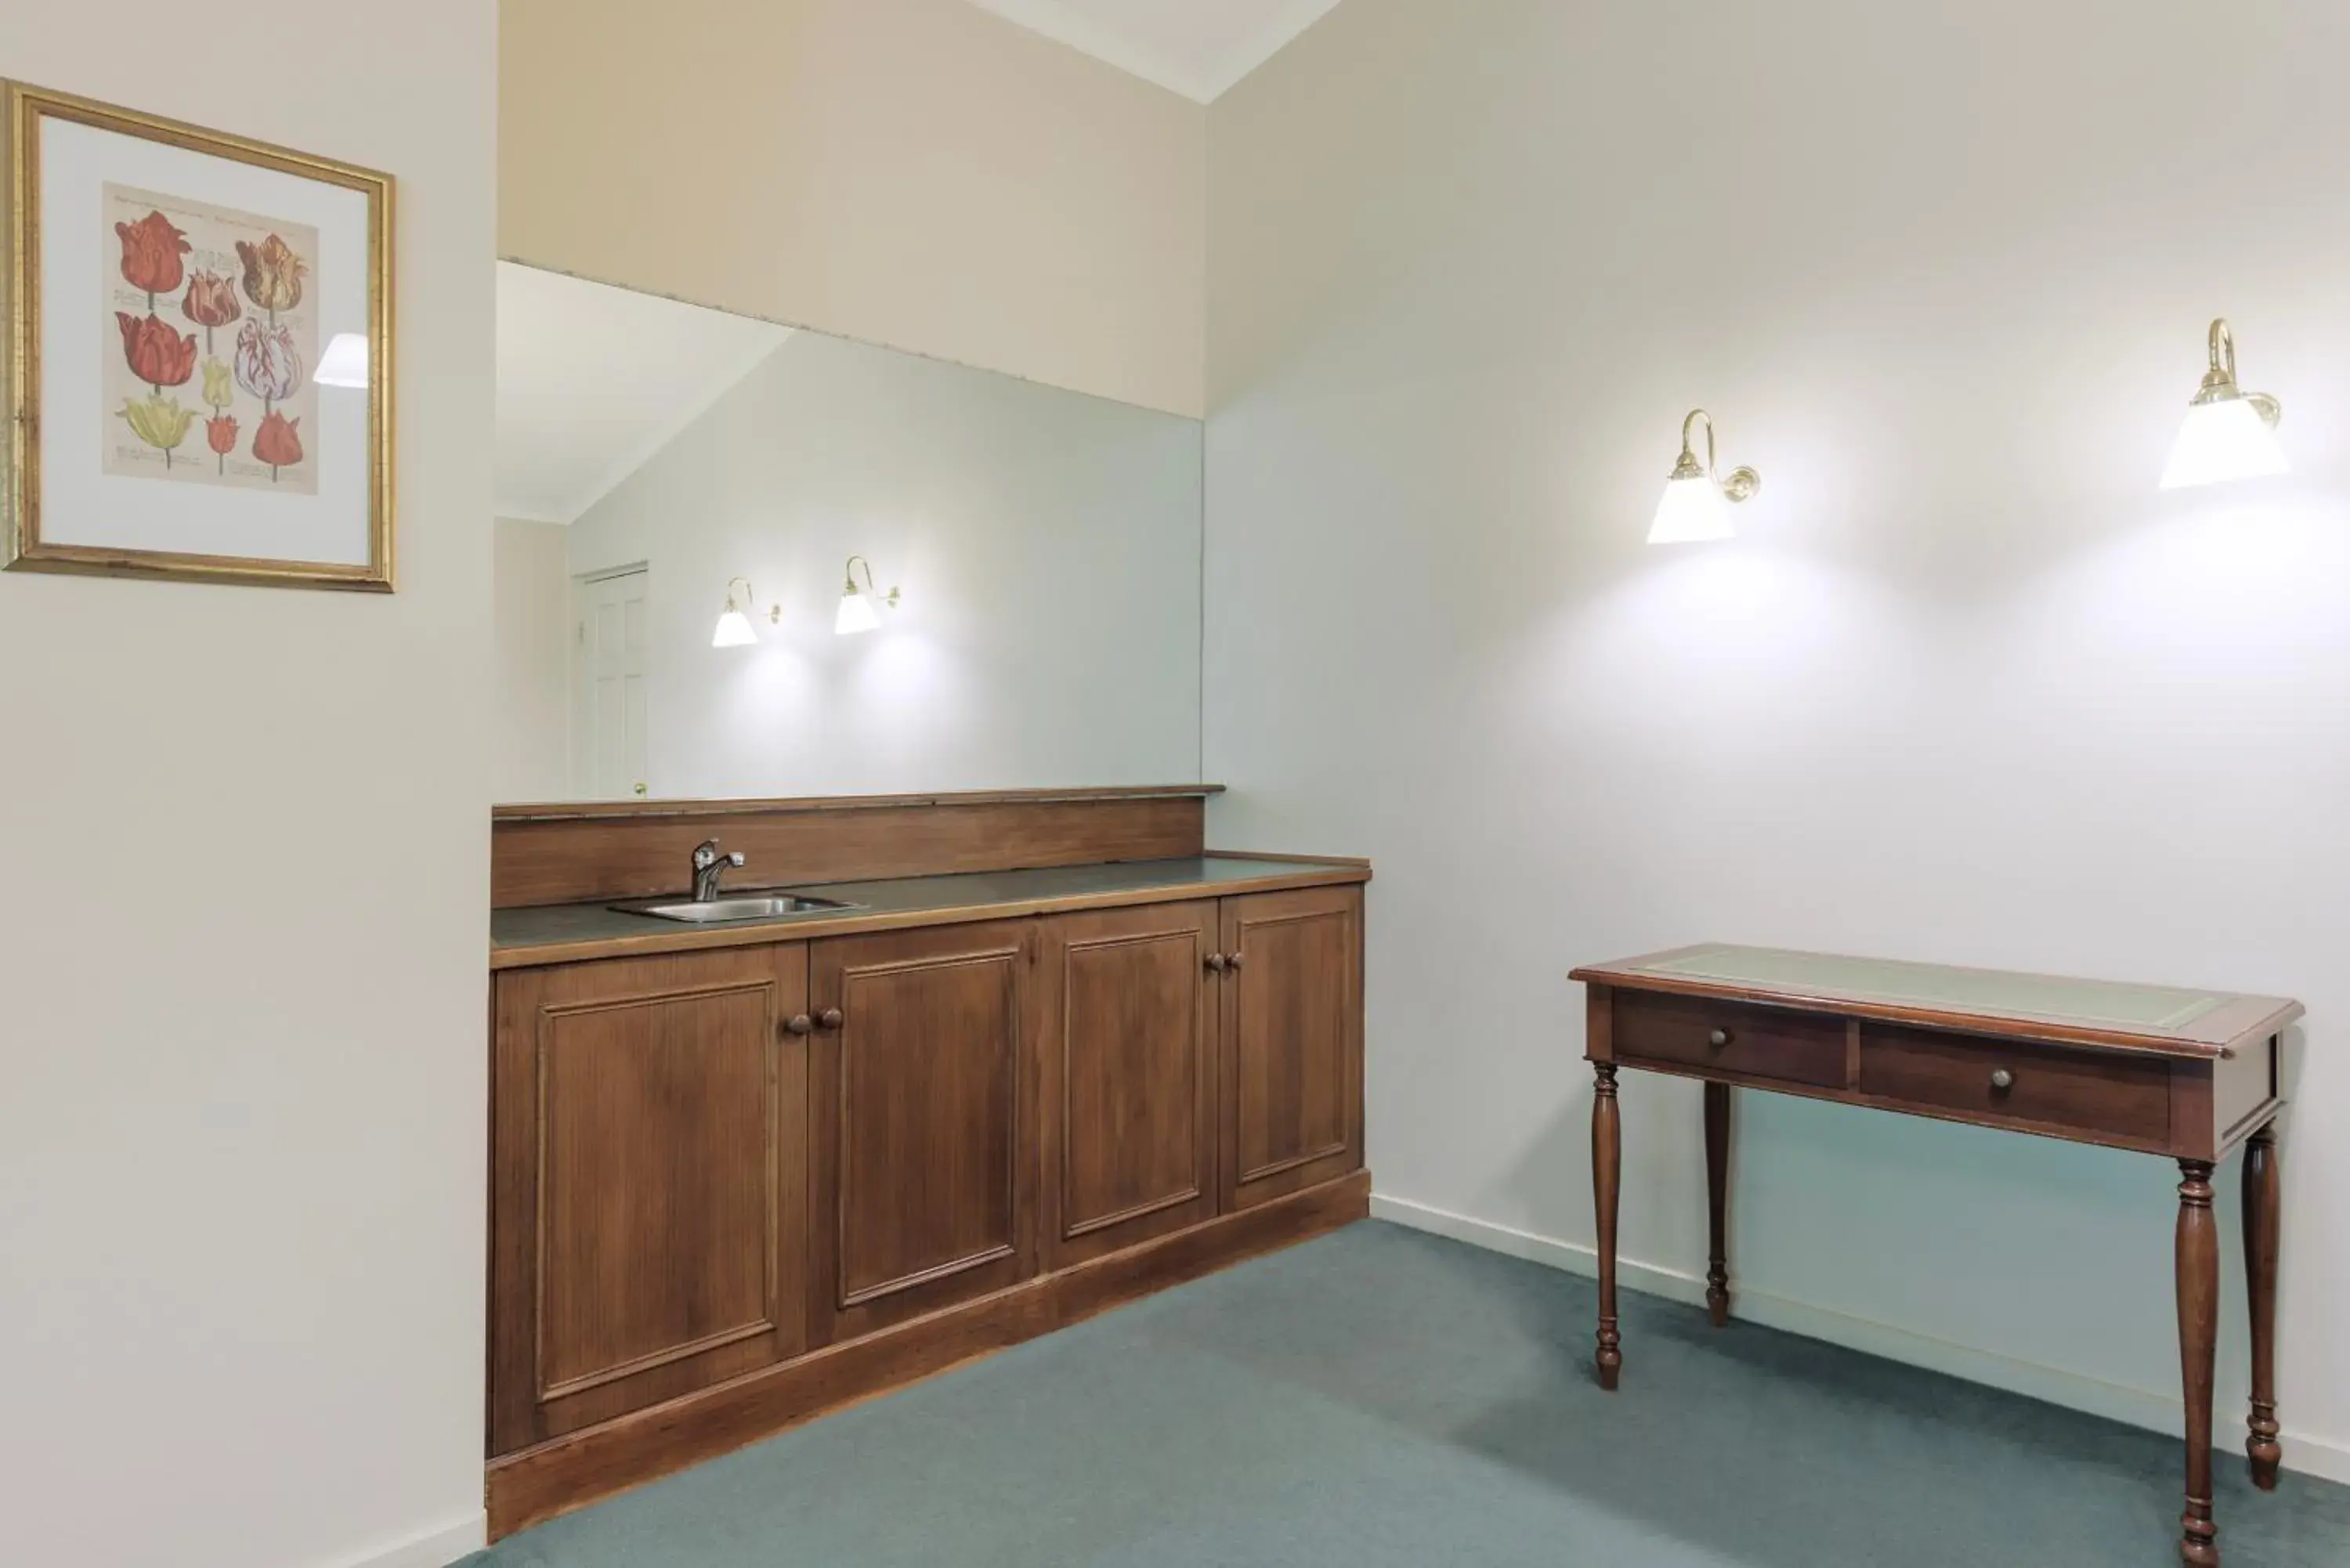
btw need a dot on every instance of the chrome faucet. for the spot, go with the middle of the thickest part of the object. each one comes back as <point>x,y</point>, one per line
<point>709,866</point>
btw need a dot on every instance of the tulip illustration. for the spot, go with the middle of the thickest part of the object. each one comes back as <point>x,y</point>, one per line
<point>159,421</point>
<point>278,442</point>
<point>159,354</point>
<point>211,302</point>
<point>267,364</point>
<point>151,249</point>
<point>273,273</point>
<point>217,390</point>
<point>220,434</point>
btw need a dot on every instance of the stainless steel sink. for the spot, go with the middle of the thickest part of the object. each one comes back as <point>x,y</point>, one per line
<point>742,907</point>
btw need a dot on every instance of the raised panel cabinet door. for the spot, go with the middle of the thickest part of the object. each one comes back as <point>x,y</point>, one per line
<point>648,1182</point>
<point>923,1192</point>
<point>1292,1091</point>
<point>1126,1075</point>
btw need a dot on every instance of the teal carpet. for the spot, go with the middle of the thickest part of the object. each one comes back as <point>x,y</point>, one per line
<point>1381,1399</point>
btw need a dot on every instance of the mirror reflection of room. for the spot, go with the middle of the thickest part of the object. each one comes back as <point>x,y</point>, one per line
<point>663,468</point>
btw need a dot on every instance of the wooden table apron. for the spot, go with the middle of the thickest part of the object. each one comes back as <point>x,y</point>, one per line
<point>2190,1094</point>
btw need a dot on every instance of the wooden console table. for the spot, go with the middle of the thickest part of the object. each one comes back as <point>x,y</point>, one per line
<point>2184,1074</point>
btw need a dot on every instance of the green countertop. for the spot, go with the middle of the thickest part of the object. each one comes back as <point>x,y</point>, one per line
<point>534,935</point>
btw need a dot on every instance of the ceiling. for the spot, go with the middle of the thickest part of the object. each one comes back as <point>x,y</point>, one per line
<point>1197,47</point>
<point>593,381</point>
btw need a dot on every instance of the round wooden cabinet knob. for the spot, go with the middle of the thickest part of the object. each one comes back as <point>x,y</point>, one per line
<point>1717,1039</point>
<point>2000,1078</point>
<point>829,1018</point>
<point>798,1023</point>
<point>1216,961</point>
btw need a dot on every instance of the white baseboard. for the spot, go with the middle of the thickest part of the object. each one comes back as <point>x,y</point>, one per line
<point>433,1549</point>
<point>2324,1457</point>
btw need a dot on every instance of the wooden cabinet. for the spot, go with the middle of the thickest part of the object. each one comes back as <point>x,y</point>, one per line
<point>1291,1102</point>
<point>649,1202</point>
<point>898,1149</point>
<point>1127,1030</point>
<point>923,1178</point>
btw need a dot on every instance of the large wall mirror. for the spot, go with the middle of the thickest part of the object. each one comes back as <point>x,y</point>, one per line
<point>656,460</point>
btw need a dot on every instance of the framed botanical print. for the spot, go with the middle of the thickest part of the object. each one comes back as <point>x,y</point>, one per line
<point>198,363</point>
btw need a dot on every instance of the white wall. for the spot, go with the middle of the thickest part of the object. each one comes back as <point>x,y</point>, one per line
<point>245,874</point>
<point>1969,688</point>
<point>1047,544</point>
<point>915,173</point>
<point>532,620</point>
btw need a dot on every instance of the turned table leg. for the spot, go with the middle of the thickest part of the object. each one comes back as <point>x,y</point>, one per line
<point>1607,1169</point>
<point>2262,1202</point>
<point>1717,1182</point>
<point>2199,1323</point>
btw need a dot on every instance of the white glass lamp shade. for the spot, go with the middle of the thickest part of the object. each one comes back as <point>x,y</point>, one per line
<point>734,629</point>
<point>1693,509</point>
<point>2223,440</point>
<point>345,362</point>
<point>855,615</point>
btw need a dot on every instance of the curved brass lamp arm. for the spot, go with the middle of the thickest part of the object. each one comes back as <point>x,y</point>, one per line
<point>750,593</point>
<point>2219,380</point>
<point>1742,482</point>
<point>889,598</point>
<point>1687,450</point>
<point>2224,349</point>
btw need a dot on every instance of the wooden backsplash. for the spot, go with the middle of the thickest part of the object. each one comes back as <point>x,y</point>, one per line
<point>636,849</point>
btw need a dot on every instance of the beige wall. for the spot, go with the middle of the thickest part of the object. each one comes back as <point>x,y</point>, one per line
<point>244,893</point>
<point>1970,687</point>
<point>913,172</point>
<point>533,624</point>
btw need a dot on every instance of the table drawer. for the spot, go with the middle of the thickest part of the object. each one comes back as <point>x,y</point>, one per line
<point>2101,1094</point>
<point>1762,1042</point>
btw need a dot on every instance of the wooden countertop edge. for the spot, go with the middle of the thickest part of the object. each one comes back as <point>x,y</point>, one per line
<point>2283,1012</point>
<point>599,810</point>
<point>539,954</point>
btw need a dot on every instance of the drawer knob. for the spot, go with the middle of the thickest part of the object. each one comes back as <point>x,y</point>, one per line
<point>1717,1039</point>
<point>1234,960</point>
<point>798,1023</point>
<point>829,1018</point>
<point>2000,1078</point>
<point>1216,961</point>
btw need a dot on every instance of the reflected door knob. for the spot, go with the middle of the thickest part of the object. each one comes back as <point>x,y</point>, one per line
<point>798,1023</point>
<point>2000,1078</point>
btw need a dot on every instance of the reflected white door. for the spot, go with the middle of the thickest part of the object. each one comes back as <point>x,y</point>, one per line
<point>609,718</point>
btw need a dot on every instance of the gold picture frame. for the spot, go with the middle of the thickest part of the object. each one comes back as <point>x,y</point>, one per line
<point>111,492</point>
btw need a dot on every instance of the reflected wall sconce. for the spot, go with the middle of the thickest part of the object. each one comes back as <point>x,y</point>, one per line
<point>856,612</point>
<point>734,628</point>
<point>345,362</point>
<point>2229,433</point>
<point>1696,503</point>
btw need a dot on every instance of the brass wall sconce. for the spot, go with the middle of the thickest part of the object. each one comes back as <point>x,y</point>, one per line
<point>2229,433</point>
<point>857,613</point>
<point>735,630</point>
<point>1696,503</point>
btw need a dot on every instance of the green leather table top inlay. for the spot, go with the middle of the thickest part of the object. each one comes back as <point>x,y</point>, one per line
<point>1943,988</point>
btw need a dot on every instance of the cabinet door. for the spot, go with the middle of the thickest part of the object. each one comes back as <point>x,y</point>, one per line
<point>923,1195</point>
<point>1126,1077</point>
<point>1291,1098</point>
<point>649,1170</point>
